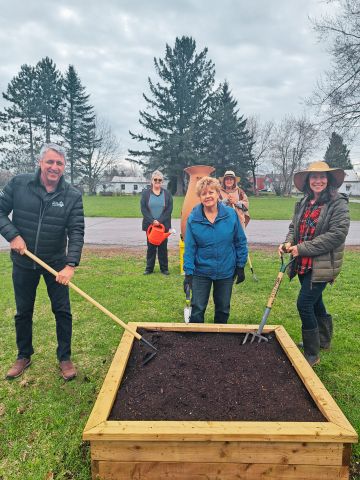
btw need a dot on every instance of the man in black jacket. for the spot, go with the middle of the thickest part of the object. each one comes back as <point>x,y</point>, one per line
<point>48,220</point>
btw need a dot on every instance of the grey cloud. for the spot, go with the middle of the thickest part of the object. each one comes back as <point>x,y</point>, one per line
<point>266,50</point>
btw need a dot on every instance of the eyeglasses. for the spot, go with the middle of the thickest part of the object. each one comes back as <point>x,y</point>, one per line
<point>159,180</point>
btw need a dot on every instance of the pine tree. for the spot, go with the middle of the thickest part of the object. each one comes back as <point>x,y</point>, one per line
<point>178,111</point>
<point>78,121</point>
<point>19,121</point>
<point>50,97</point>
<point>337,154</point>
<point>229,140</point>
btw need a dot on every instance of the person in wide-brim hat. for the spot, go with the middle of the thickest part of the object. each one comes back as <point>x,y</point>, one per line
<point>316,241</point>
<point>231,194</point>
<point>337,175</point>
<point>229,173</point>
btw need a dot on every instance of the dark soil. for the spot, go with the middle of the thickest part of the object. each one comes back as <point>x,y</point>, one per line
<point>212,376</point>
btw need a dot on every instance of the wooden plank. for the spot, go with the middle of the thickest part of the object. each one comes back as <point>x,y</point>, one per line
<point>217,471</point>
<point>219,431</point>
<point>220,452</point>
<point>109,389</point>
<point>316,388</point>
<point>346,454</point>
<point>95,470</point>
<point>201,327</point>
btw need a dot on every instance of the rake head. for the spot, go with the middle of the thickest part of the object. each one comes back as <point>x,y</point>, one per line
<point>254,335</point>
<point>148,355</point>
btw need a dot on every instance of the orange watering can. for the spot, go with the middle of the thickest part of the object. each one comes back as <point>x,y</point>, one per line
<point>156,234</point>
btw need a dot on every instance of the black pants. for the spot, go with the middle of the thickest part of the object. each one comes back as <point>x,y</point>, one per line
<point>25,283</point>
<point>162,256</point>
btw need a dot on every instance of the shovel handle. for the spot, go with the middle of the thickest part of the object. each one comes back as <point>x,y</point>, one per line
<point>85,295</point>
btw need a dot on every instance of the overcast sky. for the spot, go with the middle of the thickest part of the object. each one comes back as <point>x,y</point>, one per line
<point>266,50</point>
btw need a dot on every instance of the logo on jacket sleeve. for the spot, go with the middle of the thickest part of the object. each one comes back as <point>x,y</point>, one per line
<point>57,204</point>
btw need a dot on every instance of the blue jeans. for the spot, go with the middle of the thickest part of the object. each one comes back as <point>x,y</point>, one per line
<point>310,303</point>
<point>25,283</point>
<point>222,290</point>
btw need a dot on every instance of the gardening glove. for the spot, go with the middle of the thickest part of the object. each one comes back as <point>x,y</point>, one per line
<point>188,282</point>
<point>239,275</point>
<point>241,206</point>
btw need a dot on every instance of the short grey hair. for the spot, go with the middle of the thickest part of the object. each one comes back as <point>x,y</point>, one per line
<point>157,173</point>
<point>52,146</point>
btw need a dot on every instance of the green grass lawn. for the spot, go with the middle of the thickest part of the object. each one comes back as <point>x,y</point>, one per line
<point>42,418</point>
<point>267,207</point>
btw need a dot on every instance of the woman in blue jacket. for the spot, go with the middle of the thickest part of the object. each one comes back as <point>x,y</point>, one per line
<point>215,252</point>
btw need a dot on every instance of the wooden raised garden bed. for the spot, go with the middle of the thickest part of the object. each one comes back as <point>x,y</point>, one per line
<point>218,450</point>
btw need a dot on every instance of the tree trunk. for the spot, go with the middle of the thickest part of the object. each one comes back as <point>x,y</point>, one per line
<point>179,185</point>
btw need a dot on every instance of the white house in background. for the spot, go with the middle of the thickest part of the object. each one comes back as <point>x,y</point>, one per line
<point>123,185</point>
<point>351,185</point>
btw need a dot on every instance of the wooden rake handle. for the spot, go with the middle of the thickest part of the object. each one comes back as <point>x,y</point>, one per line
<point>85,295</point>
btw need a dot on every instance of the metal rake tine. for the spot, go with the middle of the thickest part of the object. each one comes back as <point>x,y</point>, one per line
<point>246,337</point>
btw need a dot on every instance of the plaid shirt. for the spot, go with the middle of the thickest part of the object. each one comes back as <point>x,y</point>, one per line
<point>307,227</point>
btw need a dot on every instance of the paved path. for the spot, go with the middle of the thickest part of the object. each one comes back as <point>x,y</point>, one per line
<point>126,232</point>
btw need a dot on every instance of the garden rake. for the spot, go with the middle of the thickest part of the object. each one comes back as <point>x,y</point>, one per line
<point>273,294</point>
<point>148,356</point>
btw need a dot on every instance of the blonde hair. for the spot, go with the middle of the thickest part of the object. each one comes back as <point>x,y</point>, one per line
<point>207,182</point>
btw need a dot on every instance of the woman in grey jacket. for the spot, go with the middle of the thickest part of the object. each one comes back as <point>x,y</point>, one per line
<point>316,238</point>
<point>156,207</point>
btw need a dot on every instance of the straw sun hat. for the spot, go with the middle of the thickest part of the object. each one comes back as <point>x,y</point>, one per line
<point>337,174</point>
<point>229,173</point>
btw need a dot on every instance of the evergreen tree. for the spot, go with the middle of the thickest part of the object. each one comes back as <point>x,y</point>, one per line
<point>178,112</point>
<point>79,120</point>
<point>49,97</point>
<point>19,121</point>
<point>337,154</point>
<point>230,143</point>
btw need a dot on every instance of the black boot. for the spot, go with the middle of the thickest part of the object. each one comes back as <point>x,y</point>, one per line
<point>325,325</point>
<point>311,341</point>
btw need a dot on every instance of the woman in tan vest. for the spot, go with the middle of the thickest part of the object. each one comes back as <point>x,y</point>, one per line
<point>234,196</point>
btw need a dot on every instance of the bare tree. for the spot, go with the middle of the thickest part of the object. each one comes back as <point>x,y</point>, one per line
<point>293,140</point>
<point>337,93</point>
<point>102,154</point>
<point>261,137</point>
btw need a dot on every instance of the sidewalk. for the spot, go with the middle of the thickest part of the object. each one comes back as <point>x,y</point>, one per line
<point>126,232</point>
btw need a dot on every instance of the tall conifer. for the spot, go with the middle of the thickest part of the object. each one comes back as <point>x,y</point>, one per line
<point>230,142</point>
<point>50,98</point>
<point>20,119</point>
<point>337,154</point>
<point>178,111</point>
<point>78,120</point>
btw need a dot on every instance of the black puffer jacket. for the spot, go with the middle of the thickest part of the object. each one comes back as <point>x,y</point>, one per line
<point>48,222</point>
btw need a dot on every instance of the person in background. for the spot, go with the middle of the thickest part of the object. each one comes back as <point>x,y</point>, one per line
<point>215,252</point>
<point>48,220</point>
<point>234,196</point>
<point>156,207</point>
<point>316,238</point>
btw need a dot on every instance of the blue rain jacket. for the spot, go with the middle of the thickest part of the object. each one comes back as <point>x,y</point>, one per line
<point>214,249</point>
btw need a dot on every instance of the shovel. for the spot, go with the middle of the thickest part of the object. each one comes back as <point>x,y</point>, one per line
<point>273,294</point>
<point>187,309</point>
<point>148,356</point>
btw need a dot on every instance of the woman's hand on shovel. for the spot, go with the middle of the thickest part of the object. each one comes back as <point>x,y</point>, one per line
<point>65,275</point>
